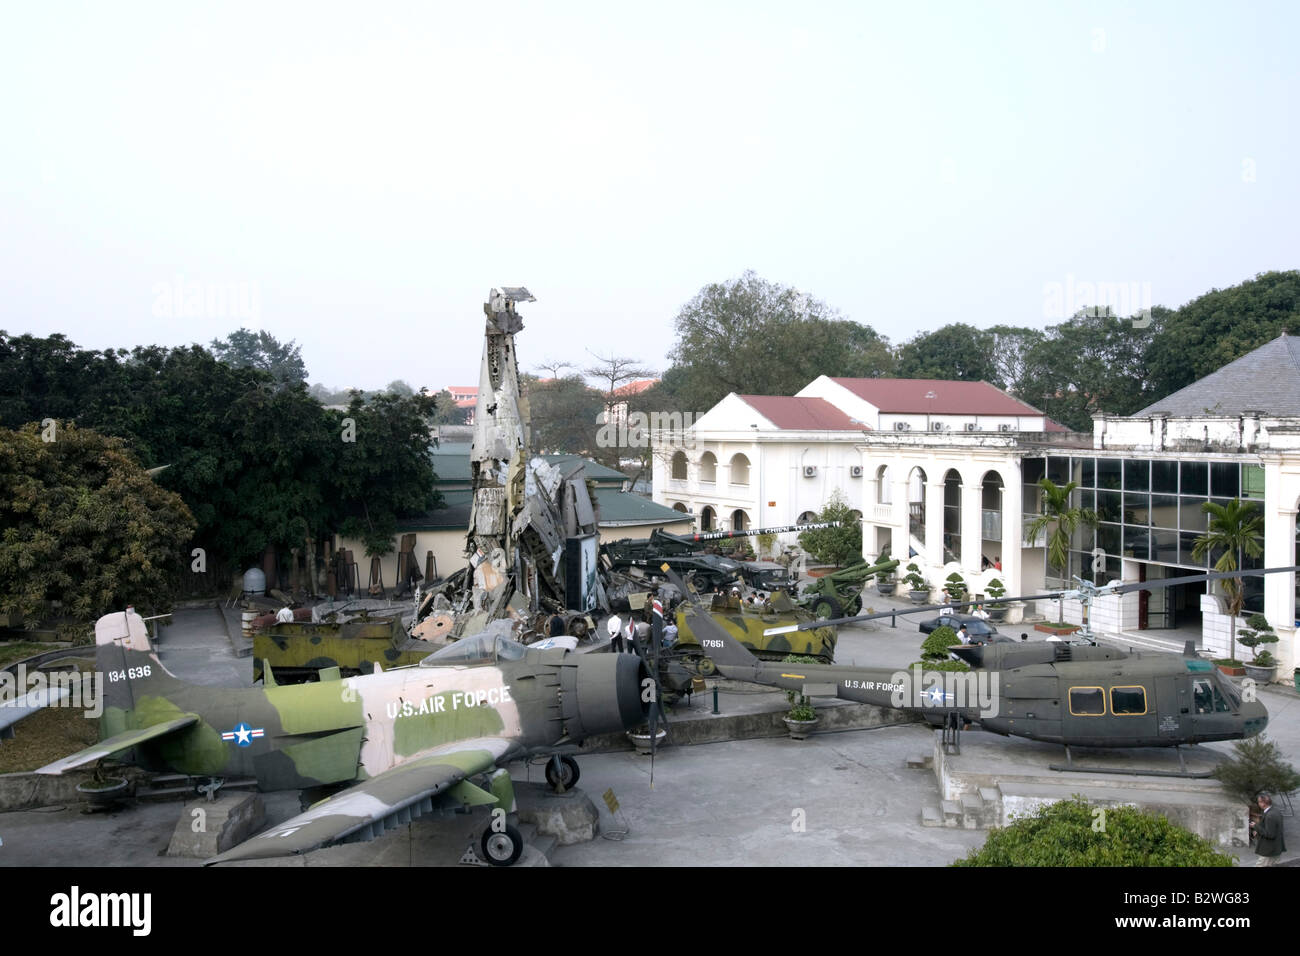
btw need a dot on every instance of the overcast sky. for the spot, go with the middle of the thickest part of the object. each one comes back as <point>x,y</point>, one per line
<point>358,177</point>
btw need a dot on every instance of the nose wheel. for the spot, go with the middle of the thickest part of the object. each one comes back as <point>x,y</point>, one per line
<point>562,773</point>
<point>502,847</point>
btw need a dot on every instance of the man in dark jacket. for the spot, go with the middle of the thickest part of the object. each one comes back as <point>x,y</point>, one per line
<point>1270,846</point>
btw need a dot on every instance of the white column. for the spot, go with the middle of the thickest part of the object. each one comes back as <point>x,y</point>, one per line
<point>902,533</point>
<point>934,524</point>
<point>1011,536</point>
<point>972,501</point>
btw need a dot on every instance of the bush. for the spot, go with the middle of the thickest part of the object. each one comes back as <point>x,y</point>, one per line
<point>1256,766</point>
<point>935,647</point>
<point>935,665</point>
<point>1074,833</point>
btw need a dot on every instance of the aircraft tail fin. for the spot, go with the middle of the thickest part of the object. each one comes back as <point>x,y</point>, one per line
<point>126,658</point>
<point>718,645</point>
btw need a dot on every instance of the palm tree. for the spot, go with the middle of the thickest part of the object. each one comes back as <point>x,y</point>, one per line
<point>1236,529</point>
<point>1065,520</point>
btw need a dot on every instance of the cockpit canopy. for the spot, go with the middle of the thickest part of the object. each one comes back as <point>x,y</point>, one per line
<point>486,647</point>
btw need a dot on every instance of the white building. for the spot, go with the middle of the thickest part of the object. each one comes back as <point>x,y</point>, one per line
<point>947,472</point>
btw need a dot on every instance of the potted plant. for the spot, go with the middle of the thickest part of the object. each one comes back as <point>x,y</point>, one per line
<point>954,588</point>
<point>1230,666</point>
<point>801,718</point>
<point>103,792</point>
<point>642,740</point>
<point>885,582</point>
<point>918,588</point>
<point>997,591</point>
<point>1263,665</point>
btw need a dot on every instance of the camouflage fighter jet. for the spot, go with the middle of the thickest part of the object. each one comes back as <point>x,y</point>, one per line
<point>407,740</point>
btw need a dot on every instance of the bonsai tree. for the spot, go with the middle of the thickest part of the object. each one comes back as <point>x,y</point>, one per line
<point>1235,529</point>
<point>955,586</point>
<point>1256,766</point>
<point>915,579</point>
<point>881,558</point>
<point>935,646</point>
<point>1064,520</point>
<point>997,591</point>
<point>1258,632</point>
<point>1067,834</point>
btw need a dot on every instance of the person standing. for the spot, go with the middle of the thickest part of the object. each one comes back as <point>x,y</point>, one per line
<point>1270,846</point>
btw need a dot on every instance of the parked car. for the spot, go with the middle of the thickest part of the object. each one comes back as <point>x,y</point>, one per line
<point>980,630</point>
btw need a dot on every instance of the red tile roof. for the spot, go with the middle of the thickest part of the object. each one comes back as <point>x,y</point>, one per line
<point>806,414</point>
<point>635,388</point>
<point>909,396</point>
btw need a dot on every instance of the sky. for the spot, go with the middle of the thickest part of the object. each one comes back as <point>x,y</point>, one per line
<point>358,177</point>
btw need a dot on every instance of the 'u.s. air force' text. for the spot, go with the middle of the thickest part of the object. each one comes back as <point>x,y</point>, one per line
<point>438,703</point>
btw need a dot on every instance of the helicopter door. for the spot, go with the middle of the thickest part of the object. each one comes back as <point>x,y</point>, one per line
<point>1132,709</point>
<point>1175,707</point>
<point>1212,714</point>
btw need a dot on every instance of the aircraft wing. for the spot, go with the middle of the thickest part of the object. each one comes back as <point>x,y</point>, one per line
<point>119,742</point>
<point>393,797</point>
<point>12,711</point>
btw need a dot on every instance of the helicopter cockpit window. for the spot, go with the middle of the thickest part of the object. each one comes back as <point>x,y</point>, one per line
<point>1226,691</point>
<point>1128,701</point>
<point>1087,701</point>
<point>1208,699</point>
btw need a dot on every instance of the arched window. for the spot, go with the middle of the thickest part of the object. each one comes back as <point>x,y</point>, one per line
<point>739,470</point>
<point>708,467</point>
<point>808,517</point>
<point>739,520</point>
<point>679,466</point>
<point>884,494</point>
<point>707,518</point>
<point>679,506</point>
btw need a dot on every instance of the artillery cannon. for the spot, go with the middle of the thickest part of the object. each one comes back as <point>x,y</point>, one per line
<point>839,594</point>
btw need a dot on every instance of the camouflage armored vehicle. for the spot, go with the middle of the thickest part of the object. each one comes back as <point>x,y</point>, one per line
<point>746,623</point>
<point>299,651</point>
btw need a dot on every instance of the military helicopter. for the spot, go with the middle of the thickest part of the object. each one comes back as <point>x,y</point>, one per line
<point>1079,694</point>
<point>402,742</point>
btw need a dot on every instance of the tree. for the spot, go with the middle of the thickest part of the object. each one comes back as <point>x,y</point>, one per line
<point>384,472</point>
<point>1095,363</point>
<point>958,351</point>
<point>839,545</point>
<point>1220,327</point>
<point>1011,347</point>
<point>1064,519</point>
<point>564,415</point>
<point>447,412</point>
<point>1236,529</point>
<point>1256,766</point>
<point>244,348</point>
<point>1075,833</point>
<point>84,525</point>
<point>752,336</point>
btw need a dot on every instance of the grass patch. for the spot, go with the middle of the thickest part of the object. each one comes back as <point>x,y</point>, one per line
<point>17,651</point>
<point>45,737</point>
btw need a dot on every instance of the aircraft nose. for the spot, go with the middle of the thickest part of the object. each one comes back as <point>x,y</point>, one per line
<point>609,696</point>
<point>1256,715</point>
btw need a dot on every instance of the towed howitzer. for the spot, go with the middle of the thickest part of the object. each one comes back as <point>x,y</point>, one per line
<point>839,594</point>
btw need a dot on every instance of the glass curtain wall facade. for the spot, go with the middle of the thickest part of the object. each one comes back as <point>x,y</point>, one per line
<point>1148,509</point>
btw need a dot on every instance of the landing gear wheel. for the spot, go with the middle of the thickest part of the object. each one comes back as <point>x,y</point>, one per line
<point>564,776</point>
<point>502,847</point>
<point>706,667</point>
<point>826,608</point>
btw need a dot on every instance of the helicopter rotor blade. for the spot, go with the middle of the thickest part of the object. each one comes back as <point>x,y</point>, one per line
<point>1102,590</point>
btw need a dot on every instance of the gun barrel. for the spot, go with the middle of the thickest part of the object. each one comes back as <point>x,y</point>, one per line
<point>723,535</point>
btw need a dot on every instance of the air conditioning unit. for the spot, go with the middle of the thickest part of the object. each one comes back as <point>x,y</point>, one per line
<point>855,471</point>
<point>972,427</point>
<point>902,427</point>
<point>942,427</point>
<point>810,471</point>
<point>1006,428</point>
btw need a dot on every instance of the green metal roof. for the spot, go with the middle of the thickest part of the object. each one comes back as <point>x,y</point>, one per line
<point>598,473</point>
<point>623,507</point>
<point>451,461</point>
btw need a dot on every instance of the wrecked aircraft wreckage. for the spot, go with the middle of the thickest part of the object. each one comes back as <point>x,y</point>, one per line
<point>532,539</point>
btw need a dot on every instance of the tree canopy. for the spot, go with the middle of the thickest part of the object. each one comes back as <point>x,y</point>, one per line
<point>83,525</point>
<point>244,348</point>
<point>752,336</point>
<point>839,545</point>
